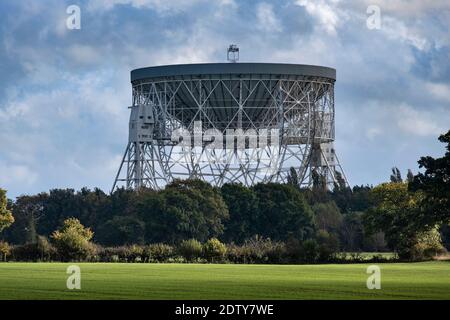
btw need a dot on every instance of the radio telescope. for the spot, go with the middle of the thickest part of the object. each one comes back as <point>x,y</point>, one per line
<point>231,122</point>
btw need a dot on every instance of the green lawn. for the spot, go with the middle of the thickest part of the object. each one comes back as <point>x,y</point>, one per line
<point>430,280</point>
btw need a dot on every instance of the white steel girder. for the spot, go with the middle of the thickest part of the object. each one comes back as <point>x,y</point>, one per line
<point>301,111</point>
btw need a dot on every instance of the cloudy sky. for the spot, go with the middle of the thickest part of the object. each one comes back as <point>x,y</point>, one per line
<point>64,93</point>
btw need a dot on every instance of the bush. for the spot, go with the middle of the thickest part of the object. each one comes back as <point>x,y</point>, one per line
<point>5,250</point>
<point>276,253</point>
<point>190,249</point>
<point>260,250</point>
<point>328,245</point>
<point>159,252</point>
<point>255,249</point>
<point>375,242</point>
<point>41,250</point>
<point>45,248</point>
<point>429,244</point>
<point>236,254</point>
<point>136,253</point>
<point>309,251</point>
<point>293,250</point>
<point>72,241</point>
<point>214,250</point>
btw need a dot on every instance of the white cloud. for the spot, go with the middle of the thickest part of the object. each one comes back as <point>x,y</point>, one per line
<point>267,19</point>
<point>420,123</point>
<point>373,132</point>
<point>83,54</point>
<point>440,91</point>
<point>161,6</point>
<point>396,29</point>
<point>410,7</point>
<point>326,12</point>
<point>17,175</point>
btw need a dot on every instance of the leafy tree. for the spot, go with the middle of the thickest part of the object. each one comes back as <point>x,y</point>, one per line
<point>327,216</point>
<point>328,245</point>
<point>319,186</point>
<point>5,250</point>
<point>445,234</point>
<point>150,208</point>
<point>409,176</point>
<point>340,184</point>
<point>352,231</point>
<point>6,217</point>
<point>29,210</point>
<point>393,214</point>
<point>429,244</point>
<point>342,194</point>
<point>73,240</point>
<point>93,207</point>
<point>283,212</point>
<point>292,178</point>
<point>190,249</point>
<point>214,250</point>
<point>187,209</point>
<point>242,204</point>
<point>434,183</point>
<point>353,200</point>
<point>396,176</point>
<point>309,251</point>
<point>60,205</point>
<point>121,230</point>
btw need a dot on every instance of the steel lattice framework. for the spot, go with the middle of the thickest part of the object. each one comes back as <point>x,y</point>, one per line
<point>241,122</point>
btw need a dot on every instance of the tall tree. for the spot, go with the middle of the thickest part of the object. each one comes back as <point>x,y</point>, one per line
<point>409,176</point>
<point>394,215</point>
<point>121,230</point>
<point>188,209</point>
<point>327,216</point>
<point>29,210</point>
<point>292,177</point>
<point>396,176</point>
<point>242,204</point>
<point>352,231</point>
<point>434,183</point>
<point>283,212</point>
<point>6,217</point>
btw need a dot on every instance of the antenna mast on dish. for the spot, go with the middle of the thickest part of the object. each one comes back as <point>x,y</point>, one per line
<point>233,53</point>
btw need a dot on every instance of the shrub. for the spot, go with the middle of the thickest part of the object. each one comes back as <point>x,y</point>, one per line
<point>136,253</point>
<point>214,250</point>
<point>257,249</point>
<point>108,254</point>
<point>309,251</point>
<point>276,253</point>
<point>235,254</point>
<point>5,250</point>
<point>293,250</point>
<point>45,248</point>
<point>302,252</point>
<point>328,245</point>
<point>160,252</point>
<point>41,250</point>
<point>429,244</point>
<point>262,250</point>
<point>190,249</point>
<point>72,241</point>
<point>25,252</point>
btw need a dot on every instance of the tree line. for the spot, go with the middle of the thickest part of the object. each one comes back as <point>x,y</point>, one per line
<point>408,216</point>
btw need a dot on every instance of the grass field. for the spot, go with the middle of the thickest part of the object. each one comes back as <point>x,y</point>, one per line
<point>429,280</point>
